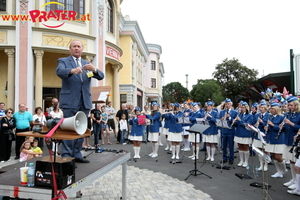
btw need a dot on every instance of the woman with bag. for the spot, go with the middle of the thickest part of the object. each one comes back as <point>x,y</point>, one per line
<point>7,135</point>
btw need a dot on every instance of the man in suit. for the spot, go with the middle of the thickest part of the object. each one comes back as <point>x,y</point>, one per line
<point>75,94</point>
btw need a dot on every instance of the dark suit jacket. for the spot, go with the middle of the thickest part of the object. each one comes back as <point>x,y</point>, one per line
<point>72,86</point>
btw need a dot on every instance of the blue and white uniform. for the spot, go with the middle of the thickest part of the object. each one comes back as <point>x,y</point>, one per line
<point>154,129</point>
<point>227,135</point>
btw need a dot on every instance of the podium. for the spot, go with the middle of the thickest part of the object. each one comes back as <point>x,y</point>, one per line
<point>197,129</point>
<point>57,136</point>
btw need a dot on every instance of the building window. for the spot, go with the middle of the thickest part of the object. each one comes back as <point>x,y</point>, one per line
<point>110,17</point>
<point>73,5</point>
<point>153,65</point>
<point>2,5</point>
<point>153,83</point>
<point>123,98</point>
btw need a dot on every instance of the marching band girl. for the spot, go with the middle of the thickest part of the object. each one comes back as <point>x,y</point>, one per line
<point>175,130</point>
<point>186,126</point>
<point>228,114</point>
<point>261,120</point>
<point>242,135</point>
<point>284,107</point>
<point>210,135</point>
<point>167,125</point>
<point>274,144</point>
<point>154,129</point>
<point>160,128</point>
<point>297,170</point>
<point>291,124</point>
<point>197,113</point>
<point>136,134</point>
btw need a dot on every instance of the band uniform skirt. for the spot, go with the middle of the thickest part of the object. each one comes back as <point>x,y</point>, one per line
<point>210,138</point>
<point>184,132</point>
<point>243,140</point>
<point>257,143</point>
<point>274,148</point>
<point>175,137</point>
<point>153,137</point>
<point>165,131</point>
<point>287,155</point>
<point>135,138</point>
<point>192,137</point>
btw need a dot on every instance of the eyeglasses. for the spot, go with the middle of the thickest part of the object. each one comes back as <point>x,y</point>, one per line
<point>9,112</point>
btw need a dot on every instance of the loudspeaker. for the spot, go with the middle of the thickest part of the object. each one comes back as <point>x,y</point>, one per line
<point>76,123</point>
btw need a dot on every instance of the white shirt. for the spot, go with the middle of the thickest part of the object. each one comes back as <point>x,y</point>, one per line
<point>57,115</point>
<point>123,124</point>
<point>41,119</point>
<point>79,61</point>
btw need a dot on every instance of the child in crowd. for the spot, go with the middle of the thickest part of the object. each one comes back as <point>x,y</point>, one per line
<point>104,126</point>
<point>29,139</point>
<point>123,128</point>
<point>35,147</point>
<point>26,152</point>
<point>136,133</point>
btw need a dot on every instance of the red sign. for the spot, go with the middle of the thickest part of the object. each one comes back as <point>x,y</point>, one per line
<point>112,53</point>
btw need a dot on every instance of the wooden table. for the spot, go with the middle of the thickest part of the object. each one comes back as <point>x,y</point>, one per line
<point>58,134</point>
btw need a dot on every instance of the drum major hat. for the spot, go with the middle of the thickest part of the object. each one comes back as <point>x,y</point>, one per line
<point>154,104</point>
<point>194,104</point>
<point>176,104</point>
<point>263,103</point>
<point>291,99</point>
<point>273,104</point>
<point>244,103</point>
<point>210,103</point>
<point>227,100</point>
<point>254,105</point>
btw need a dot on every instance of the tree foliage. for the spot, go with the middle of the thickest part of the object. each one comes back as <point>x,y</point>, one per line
<point>233,77</point>
<point>206,89</point>
<point>175,92</point>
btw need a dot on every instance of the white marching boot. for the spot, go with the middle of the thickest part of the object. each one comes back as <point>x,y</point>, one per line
<point>208,153</point>
<point>241,154</point>
<point>213,150</point>
<point>261,162</point>
<point>173,152</point>
<point>278,174</point>
<point>246,154</point>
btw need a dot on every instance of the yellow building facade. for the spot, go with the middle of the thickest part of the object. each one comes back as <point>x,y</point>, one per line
<point>35,34</point>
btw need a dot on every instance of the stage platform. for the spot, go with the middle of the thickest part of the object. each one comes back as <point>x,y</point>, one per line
<point>85,174</point>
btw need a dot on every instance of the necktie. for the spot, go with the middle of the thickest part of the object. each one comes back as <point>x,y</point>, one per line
<point>78,65</point>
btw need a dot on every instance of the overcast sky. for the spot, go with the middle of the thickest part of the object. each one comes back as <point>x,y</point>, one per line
<point>195,35</point>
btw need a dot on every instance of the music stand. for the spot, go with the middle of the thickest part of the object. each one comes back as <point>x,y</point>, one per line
<point>220,164</point>
<point>197,129</point>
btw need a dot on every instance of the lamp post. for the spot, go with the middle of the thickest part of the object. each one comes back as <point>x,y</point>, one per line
<point>187,81</point>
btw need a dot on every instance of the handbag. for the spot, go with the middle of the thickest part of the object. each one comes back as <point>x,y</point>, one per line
<point>11,135</point>
<point>37,128</point>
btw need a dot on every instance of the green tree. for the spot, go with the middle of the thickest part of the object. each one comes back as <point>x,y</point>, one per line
<point>175,92</point>
<point>207,89</point>
<point>234,77</point>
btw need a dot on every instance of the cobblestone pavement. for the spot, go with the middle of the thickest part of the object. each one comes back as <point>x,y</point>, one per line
<point>141,184</point>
